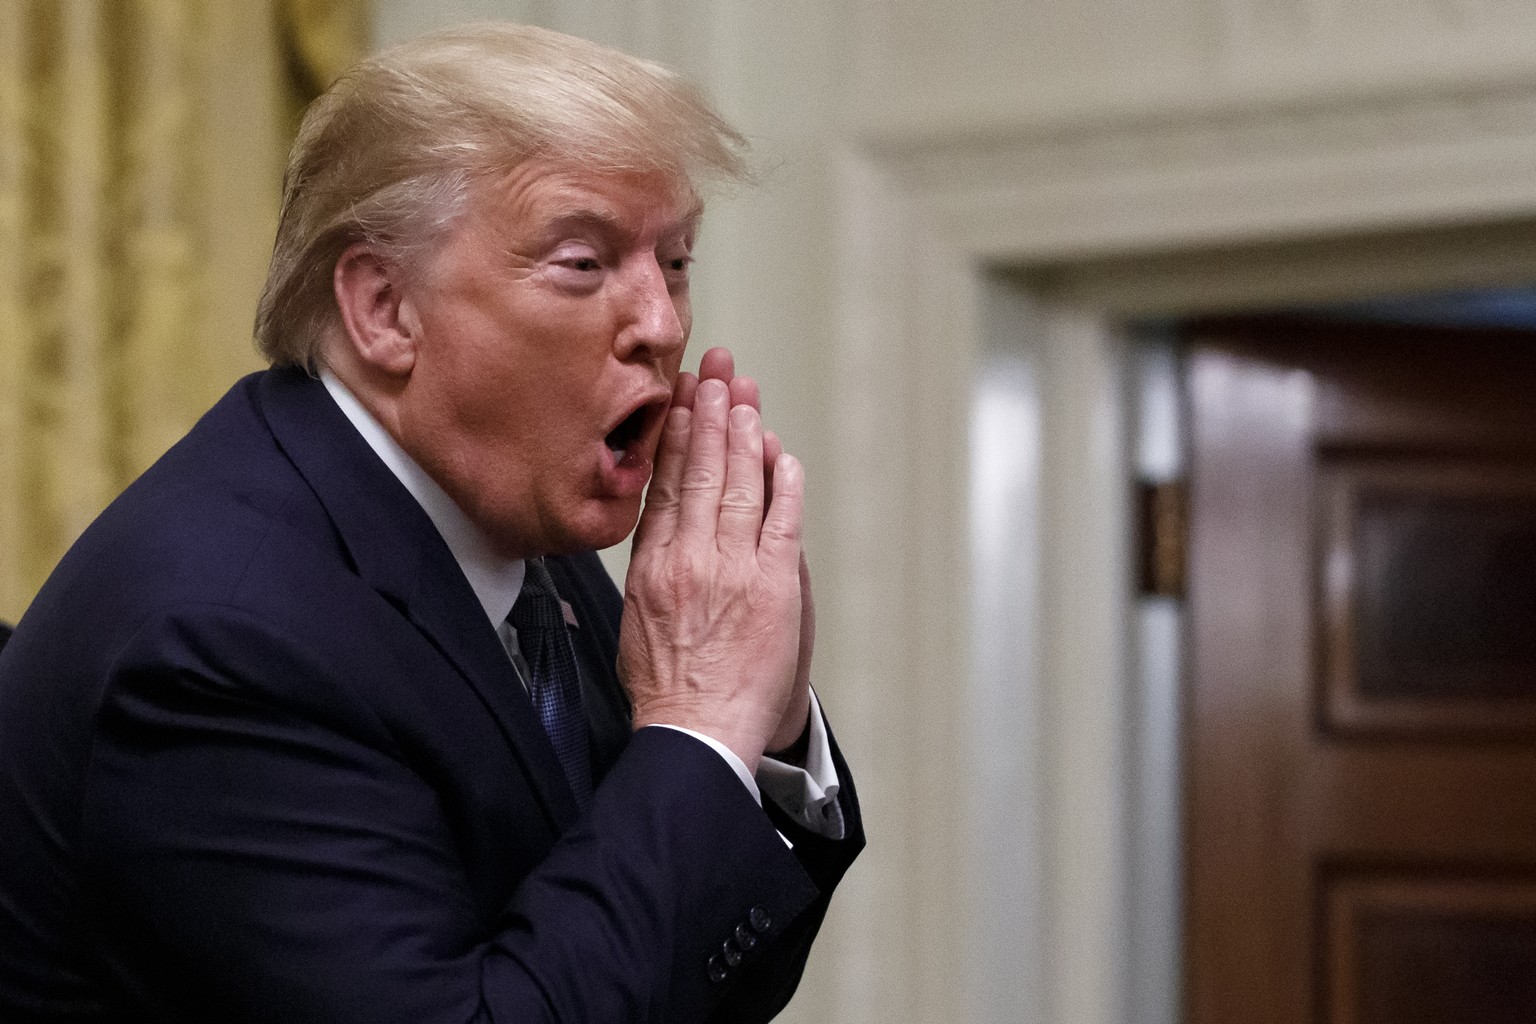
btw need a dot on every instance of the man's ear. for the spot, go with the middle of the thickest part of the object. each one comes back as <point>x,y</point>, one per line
<point>379,323</point>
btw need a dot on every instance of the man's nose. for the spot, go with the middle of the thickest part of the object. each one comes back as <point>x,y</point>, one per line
<point>654,326</point>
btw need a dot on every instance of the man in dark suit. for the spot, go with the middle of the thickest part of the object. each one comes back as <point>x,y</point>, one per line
<point>333,716</point>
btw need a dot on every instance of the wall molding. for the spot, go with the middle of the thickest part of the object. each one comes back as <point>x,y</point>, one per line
<point>1047,195</point>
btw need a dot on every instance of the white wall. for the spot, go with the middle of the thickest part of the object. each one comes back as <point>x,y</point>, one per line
<point>975,658</point>
<point>972,65</point>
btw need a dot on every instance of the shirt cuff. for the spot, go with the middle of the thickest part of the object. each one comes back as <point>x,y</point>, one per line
<point>809,794</point>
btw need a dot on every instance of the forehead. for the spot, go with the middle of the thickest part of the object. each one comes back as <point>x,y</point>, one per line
<point>538,196</point>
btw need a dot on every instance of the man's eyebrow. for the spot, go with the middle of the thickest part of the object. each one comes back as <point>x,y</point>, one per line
<point>607,223</point>
<point>584,219</point>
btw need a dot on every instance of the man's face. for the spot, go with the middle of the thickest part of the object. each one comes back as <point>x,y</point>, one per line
<point>550,329</point>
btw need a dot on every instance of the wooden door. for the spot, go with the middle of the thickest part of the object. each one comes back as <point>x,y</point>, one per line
<point>1361,714</point>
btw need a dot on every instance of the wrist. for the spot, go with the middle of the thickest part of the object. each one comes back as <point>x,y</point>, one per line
<point>791,746</point>
<point>795,753</point>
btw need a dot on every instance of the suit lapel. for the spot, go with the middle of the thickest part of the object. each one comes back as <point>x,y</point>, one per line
<point>396,550</point>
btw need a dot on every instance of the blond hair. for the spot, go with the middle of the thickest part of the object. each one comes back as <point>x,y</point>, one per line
<point>392,152</point>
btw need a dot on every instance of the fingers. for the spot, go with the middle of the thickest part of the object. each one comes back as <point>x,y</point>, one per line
<point>741,503</point>
<point>658,520</point>
<point>717,480</point>
<point>772,449</point>
<point>684,390</point>
<point>744,392</point>
<point>717,364</point>
<point>703,473</point>
<point>782,526</point>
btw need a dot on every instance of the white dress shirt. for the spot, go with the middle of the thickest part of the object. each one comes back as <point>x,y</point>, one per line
<point>809,794</point>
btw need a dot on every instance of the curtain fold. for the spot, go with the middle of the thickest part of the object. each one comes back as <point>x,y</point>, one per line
<point>141,148</point>
<point>324,38</point>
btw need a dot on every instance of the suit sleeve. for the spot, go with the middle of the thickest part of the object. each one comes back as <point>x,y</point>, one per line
<point>256,848</point>
<point>768,987</point>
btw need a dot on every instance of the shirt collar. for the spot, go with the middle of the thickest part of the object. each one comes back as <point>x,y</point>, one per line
<point>495,580</point>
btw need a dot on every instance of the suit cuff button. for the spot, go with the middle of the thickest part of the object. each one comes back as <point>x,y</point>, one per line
<point>730,953</point>
<point>746,938</point>
<point>718,971</point>
<point>759,919</point>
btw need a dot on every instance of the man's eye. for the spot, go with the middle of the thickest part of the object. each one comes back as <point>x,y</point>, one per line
<point>582,263</point>
<point>679,264</point>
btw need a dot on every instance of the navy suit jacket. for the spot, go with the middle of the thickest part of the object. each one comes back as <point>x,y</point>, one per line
<point>262,758</point>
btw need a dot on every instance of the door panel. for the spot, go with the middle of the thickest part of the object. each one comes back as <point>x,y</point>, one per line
<point>1404,950</point>
<point>1361,741</point>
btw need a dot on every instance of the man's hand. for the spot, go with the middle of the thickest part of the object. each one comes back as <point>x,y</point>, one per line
<point>711,634</point>
<point>717,364</point>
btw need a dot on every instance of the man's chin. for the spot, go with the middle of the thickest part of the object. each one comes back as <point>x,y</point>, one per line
<point>618,533</point>
<point>609,525</point>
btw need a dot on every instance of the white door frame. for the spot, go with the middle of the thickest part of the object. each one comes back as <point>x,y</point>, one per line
<point>983,602</point>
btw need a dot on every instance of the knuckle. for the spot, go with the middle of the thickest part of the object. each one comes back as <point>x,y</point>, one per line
<point>740,498</point>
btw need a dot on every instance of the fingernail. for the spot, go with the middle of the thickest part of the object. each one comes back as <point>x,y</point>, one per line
<point>711,390</point>
<point>743,417</point>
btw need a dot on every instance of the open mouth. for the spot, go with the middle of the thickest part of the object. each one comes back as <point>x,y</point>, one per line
<point>623,438</point>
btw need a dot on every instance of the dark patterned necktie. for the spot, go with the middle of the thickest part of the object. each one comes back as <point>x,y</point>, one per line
<point>553,683</point>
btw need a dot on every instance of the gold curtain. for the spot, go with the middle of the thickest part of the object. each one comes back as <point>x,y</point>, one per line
<point>141,148</point>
